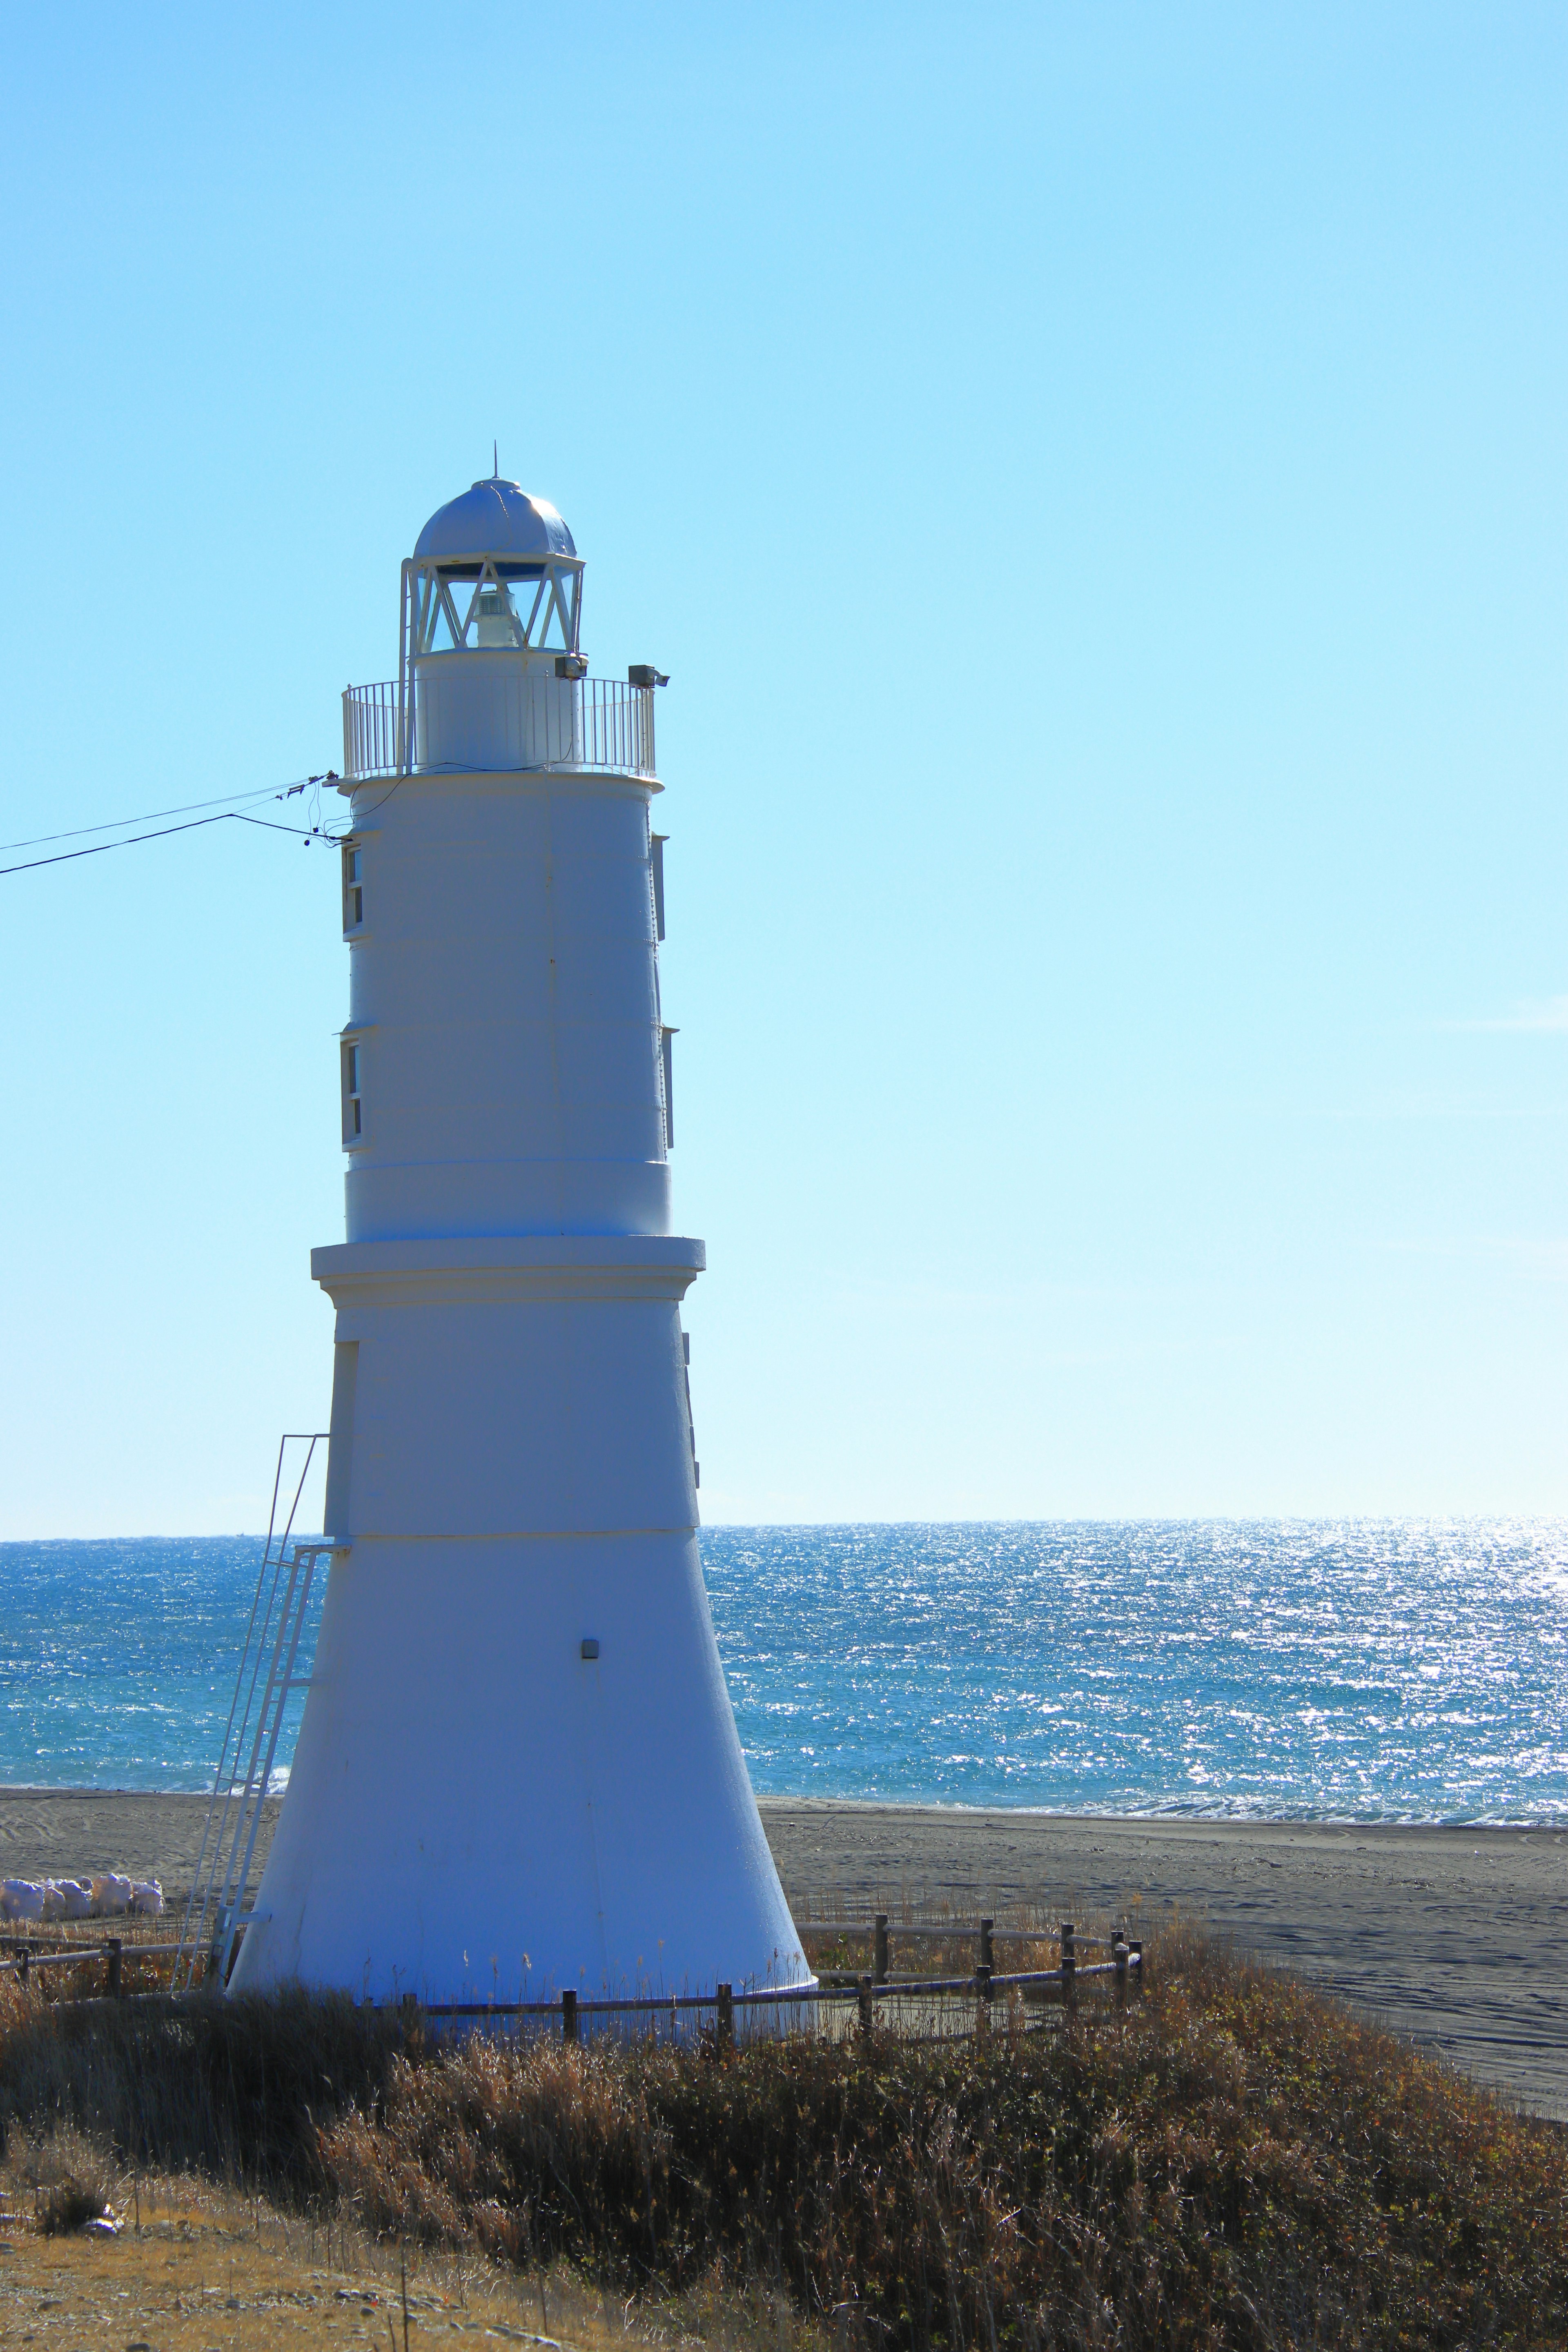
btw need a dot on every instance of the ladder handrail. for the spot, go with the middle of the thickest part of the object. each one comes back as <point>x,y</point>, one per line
<point>224,1791</point>
<point>215,1857</point>
<point>186,1925</point>
<point>290,1621</point>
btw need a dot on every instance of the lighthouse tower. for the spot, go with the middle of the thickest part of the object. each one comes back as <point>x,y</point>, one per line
<point>518,1764</point>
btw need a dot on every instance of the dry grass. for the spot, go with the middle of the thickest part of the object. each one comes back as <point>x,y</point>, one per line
<point>193,2265</point>
<point>1237,2162</point>
<point>72,2184</point>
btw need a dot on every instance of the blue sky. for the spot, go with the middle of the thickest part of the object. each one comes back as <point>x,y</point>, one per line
<point>1095,477</point>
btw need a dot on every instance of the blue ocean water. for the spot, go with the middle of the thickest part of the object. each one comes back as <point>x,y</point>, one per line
<point>1373,1670</point>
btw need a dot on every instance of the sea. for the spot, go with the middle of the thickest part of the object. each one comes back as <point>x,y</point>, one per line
<point>1360,1670</point>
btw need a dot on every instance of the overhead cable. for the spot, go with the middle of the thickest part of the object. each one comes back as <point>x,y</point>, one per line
<point>225,816</point>
<point>150,816</point>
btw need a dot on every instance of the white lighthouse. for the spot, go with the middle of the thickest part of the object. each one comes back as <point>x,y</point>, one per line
<point>518,1765</point>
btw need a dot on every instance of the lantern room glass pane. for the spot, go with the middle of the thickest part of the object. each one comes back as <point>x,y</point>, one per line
<point>465,607</point>
<point>550,630</point>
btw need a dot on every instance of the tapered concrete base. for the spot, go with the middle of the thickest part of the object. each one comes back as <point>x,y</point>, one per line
<point>475,1810</point>
<point>476,1807</point>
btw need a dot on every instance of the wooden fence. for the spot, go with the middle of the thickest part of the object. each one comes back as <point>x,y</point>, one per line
<point>836,1990</point>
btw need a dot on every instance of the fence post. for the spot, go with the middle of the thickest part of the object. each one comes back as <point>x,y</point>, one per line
<point>879,1949</point>
<point>22,1957</point>
<point>568,2015</point>
<point>1135,1954</point>
<point>726,2019</point>
<point>982,1992</point>
<point>987,1956</point>
<point>112,1948</point>
<point>866,2006</point>
<point>1118,1954</point>
<point>1070,1968</point>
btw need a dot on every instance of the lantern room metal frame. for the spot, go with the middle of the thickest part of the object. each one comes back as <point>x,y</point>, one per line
<point>477,598</point>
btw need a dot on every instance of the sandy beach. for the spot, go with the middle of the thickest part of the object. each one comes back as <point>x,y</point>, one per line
<point>1456,1936</point>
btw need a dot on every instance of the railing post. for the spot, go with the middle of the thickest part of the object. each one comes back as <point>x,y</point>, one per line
<point>568,2015</point>
<point>880,1948</point>
<point>1118,1954</point>
<point>114,1950</point>
<point>867,2006</point>
<point>22,1958</point>
<point>987,1956</point>
<point>725,2023</point>
<point>1070,1968</point>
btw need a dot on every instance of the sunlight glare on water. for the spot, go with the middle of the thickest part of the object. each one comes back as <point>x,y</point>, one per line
<point>1373,1670</point>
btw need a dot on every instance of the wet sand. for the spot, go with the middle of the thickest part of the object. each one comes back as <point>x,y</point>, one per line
<point>1456,1936</point>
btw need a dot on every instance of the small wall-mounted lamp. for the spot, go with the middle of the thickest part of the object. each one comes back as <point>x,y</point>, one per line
<point>590,1646</point>
<point>645,674</point>
<point>571,665</point>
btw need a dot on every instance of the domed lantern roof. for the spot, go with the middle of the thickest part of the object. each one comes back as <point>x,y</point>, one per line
<point>493,572</point>
<point>494,517</point>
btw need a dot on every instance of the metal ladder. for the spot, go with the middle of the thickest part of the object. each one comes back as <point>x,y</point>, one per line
<point>214,1916</point>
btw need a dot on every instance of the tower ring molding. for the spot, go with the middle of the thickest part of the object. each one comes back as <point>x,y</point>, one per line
<point>490,1267</point>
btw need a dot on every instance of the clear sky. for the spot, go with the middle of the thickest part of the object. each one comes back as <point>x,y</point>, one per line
<point>1095,476</point>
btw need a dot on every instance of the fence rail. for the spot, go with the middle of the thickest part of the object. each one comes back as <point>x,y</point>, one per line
<point>112,1951</point>
<point>860,1992</point>
<point>1124,1969</point>
<point>983,1985</point>
<point>985,1933</point>
<point>602,722</point>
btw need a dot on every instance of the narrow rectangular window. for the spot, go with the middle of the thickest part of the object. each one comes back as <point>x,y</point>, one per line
<point>353,1096</point>
<point>656,848</point>
<point>353,887</point>
<point>666,1039</point>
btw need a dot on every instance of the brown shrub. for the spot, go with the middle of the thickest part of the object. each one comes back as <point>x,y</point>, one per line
<point>72,2182</point>
<point>237,2089</point>
<point>1236,2163</point>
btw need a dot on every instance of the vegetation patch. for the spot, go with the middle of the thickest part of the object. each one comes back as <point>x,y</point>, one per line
<point>1234,2162</point>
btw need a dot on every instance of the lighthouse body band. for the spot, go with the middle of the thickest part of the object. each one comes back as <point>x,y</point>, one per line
<point>517,1769</point>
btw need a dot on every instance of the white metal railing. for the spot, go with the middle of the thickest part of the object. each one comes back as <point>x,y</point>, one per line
<point>372,734</point>
<point>617,725</point>
<point>611,726</point>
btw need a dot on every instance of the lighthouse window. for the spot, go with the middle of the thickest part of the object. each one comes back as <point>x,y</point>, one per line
<point>354,1100</point>
<point>353,889</point>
